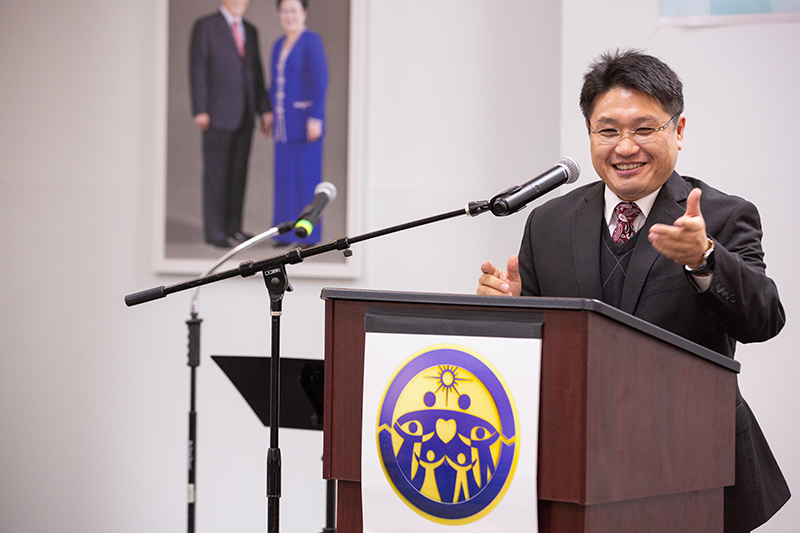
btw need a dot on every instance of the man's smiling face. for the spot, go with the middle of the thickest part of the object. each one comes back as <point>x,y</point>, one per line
<point>632,170</point>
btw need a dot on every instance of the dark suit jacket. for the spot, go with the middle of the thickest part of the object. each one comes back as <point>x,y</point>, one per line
<point>560,257</point>
<point>226,86</point>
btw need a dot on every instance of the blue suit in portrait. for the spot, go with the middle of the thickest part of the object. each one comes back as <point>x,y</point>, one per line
<point>298,87</point>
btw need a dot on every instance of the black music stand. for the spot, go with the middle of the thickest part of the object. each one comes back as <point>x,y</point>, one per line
<point>301,398</point>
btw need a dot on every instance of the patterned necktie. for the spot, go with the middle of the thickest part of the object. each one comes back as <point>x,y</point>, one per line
<point>626,214</point>
<point>237,36</point>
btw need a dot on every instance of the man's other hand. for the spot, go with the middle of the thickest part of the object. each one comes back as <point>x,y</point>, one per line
<point>202,121</point>
<point>266,123</point>
<point>496,282</point>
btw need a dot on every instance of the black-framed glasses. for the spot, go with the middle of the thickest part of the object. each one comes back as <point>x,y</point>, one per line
<point>641,135</point>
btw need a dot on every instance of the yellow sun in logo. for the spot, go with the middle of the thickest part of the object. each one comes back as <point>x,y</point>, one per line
<point>447,375</point>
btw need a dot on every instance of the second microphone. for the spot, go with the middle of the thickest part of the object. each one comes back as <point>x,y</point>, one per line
<point>309,217</point>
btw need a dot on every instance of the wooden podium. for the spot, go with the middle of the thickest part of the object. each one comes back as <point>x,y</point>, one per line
<point>636,425</point>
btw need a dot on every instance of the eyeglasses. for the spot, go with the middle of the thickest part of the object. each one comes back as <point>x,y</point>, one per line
<point>641,135</point>
<point>292,10</point>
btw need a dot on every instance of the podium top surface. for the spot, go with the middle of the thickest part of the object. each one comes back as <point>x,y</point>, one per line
<point>534,303</point>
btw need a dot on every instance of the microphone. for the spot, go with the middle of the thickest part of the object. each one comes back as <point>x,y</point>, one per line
<point>512,200</point>
<point>324,192</point>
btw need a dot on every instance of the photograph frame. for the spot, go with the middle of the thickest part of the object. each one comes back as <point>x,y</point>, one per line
<point>338,266</point>
<point>687,14</point>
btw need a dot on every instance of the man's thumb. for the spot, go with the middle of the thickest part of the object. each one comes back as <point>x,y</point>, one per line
<point>512,267</point>
<point>693,203</point>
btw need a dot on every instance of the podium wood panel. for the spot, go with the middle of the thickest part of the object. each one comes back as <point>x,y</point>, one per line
<point>625,424</point>
<point>686,512</point>
<point>640,435</point>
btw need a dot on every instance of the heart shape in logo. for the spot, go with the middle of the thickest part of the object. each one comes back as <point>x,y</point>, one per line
<point>446,429</point>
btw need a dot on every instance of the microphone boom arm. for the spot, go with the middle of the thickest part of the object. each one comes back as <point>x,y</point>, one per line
<point>296,255</point>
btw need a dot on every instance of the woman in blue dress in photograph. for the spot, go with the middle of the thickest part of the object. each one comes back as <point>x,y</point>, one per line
<point>299,83</point>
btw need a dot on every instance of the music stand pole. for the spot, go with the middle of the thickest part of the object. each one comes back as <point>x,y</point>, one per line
<point>330,510</point>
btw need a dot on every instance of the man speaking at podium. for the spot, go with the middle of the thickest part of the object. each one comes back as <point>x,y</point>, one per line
<point>666,248</point>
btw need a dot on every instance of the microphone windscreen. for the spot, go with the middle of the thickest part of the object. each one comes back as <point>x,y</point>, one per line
<point>326,187</point>
<point>572,168</point>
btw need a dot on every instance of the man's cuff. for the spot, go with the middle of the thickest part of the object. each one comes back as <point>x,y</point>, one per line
<point>702,283</point>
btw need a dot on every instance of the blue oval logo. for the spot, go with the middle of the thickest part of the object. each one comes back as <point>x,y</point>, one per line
<point>448,434</point>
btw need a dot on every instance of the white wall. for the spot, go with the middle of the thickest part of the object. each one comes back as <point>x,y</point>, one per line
<point>740,86</point>
<point>462,100</point>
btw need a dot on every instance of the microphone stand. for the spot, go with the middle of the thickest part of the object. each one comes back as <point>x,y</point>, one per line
<point>273,270</point>
<point>194,361</point>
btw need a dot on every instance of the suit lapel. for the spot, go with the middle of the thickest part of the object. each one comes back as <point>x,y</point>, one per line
<point>586,225</point>
<point>222,27</point>
<point>669,205</point>
<point>249,40</point>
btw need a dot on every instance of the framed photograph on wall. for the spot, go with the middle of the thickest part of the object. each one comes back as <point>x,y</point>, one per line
<point>180,235</point>
<point>693,13</point>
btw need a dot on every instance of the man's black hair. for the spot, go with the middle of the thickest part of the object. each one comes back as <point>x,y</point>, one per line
<point>632,69</point>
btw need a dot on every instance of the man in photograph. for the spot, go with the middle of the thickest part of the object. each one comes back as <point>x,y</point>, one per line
<point>227,85</point>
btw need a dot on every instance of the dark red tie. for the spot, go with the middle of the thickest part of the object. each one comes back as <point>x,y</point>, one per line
<point>626,214</point>
<point>237,36</point>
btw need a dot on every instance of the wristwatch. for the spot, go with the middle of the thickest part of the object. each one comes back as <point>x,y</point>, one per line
<point>707,266</point>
